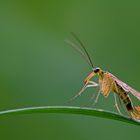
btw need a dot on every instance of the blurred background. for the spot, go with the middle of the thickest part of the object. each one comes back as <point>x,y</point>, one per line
<point>37,68</point>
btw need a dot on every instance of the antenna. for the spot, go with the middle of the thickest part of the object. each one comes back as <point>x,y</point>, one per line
<point>81,49</point>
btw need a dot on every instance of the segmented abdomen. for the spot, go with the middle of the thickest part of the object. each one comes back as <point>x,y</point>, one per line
<point>124,97</point>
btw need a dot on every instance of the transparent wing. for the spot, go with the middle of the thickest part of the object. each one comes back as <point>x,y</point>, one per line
<point>135,93</point>
<point>127,88</point>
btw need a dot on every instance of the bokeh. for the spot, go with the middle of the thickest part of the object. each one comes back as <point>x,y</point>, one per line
<point>37,67</point>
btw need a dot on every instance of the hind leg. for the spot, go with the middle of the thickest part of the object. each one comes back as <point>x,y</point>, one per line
<point>116,104</point>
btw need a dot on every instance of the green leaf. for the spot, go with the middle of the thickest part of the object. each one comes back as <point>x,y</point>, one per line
<point>70,110</point>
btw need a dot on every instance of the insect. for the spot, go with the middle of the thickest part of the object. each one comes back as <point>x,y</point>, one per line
<point>108,83</point>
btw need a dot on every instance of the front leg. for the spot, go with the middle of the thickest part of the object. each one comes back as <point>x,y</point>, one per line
<point>87,85</point>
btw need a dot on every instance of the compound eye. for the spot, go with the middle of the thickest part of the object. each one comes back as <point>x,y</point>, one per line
<point>96,70</point>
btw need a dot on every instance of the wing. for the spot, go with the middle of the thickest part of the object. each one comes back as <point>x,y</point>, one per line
<point>127,88</point>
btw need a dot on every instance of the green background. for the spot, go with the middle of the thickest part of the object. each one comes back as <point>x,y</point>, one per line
<point>37,68</point>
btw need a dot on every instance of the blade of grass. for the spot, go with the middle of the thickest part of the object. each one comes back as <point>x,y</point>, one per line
<point>70,110</point>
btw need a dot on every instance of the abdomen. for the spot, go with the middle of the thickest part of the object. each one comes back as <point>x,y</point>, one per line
<point>124,97</point>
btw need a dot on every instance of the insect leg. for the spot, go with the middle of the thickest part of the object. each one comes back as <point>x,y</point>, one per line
<point>120,103</point>
<point>116,104</point>
<point>97,97</point>
<point>94,95</point>
<point>93,84</point>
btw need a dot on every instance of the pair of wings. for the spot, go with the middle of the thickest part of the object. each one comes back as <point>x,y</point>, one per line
<point>82,50</point>
<point>126,87</point>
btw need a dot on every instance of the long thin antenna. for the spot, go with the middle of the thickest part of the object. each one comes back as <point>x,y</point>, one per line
<point>82,45</point>
<point>78,50</point>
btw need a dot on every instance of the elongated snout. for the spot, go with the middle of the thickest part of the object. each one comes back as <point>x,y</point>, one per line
<point>89,77</point>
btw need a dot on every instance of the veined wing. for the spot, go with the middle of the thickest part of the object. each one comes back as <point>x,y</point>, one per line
<point>127,88</point>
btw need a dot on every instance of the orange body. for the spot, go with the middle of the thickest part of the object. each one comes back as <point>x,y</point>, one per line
<point>109,83</point>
